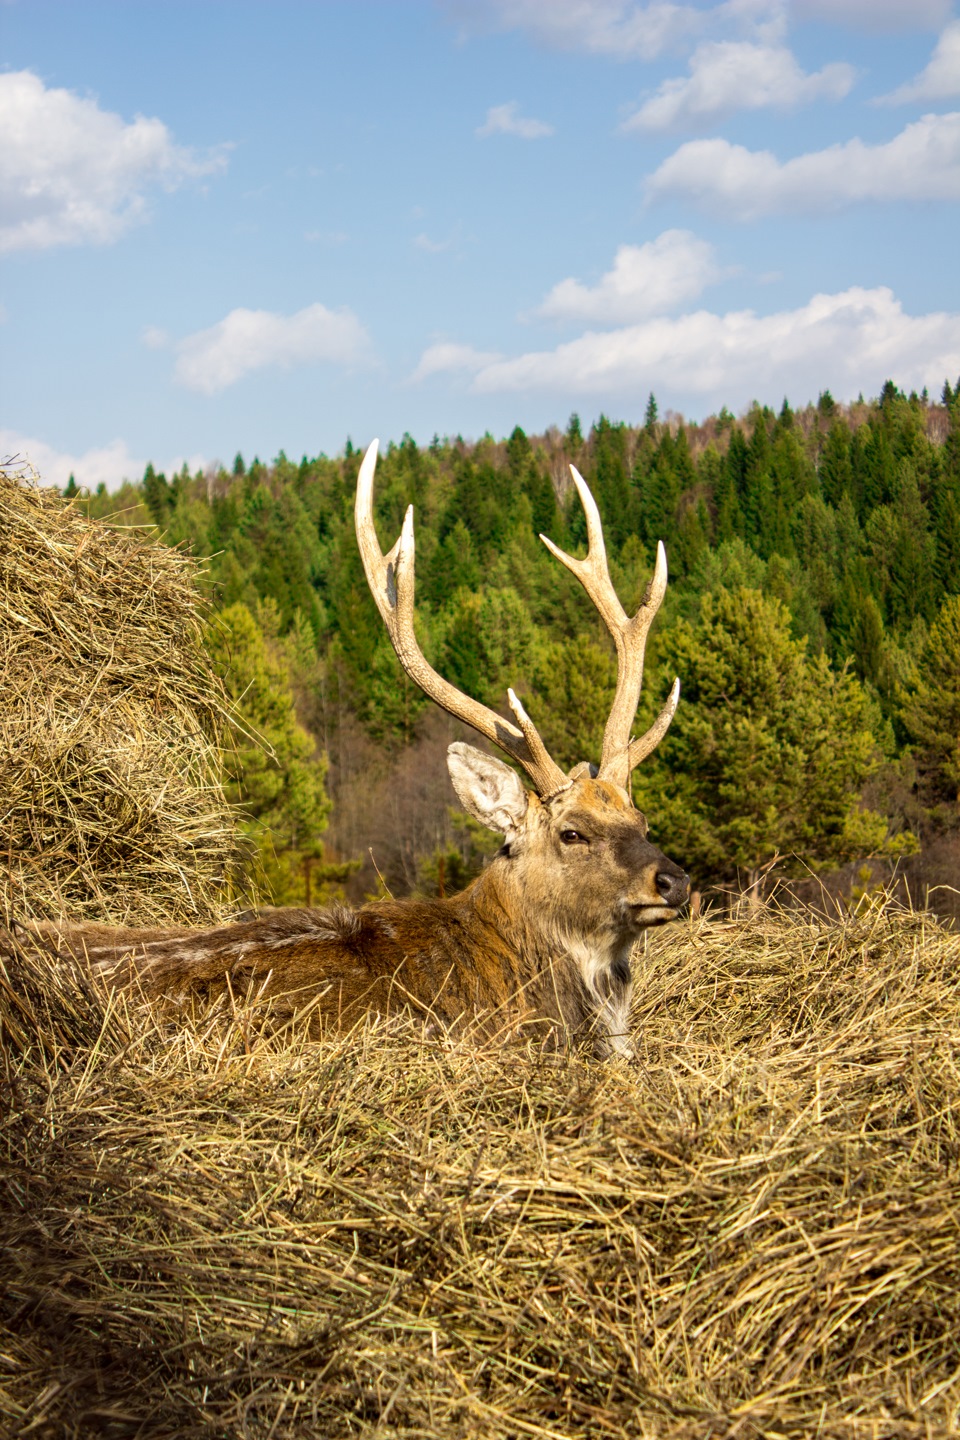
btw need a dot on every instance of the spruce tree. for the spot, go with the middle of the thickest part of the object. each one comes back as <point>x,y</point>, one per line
<point>768,752</point>
<point>275,772</point>
<point>930,708</point>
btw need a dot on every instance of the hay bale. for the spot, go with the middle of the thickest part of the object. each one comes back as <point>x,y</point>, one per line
<point>111,804</point>
<point>214,1231</point>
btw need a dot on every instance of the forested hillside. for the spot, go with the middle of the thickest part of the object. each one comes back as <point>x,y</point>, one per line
<point>813,616</point>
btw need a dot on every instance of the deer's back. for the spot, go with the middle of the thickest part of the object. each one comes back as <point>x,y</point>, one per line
<point>439,959</point>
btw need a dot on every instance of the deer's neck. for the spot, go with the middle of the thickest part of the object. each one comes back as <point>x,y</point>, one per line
<point>587,974</point>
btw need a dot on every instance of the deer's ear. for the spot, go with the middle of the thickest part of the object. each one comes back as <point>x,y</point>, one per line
<point>490,790</point>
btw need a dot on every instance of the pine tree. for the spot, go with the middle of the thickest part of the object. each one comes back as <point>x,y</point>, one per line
<point>575,685</point>
<point>930,707</point>
<point>768,752</point>
<point>156,493</point>
<point>836,469</point>
<point>609,478</point>
<point>275,773</point>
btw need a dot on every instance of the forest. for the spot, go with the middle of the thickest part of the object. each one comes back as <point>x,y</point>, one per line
<point>812,615</point>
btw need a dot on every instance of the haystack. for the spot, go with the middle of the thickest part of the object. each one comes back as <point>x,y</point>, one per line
<point>226,1231</point>
<point>111,805</point>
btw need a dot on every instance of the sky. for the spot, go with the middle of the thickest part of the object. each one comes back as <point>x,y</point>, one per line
<point>256,227</point>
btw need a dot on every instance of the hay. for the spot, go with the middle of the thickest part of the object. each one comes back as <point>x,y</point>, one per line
<point>110,723</point>
<point>212,1231</point>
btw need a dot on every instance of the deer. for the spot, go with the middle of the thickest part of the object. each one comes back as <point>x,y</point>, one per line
<point>539,946</point>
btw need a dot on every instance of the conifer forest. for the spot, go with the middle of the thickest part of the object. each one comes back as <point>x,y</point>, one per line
<point>812,615</point>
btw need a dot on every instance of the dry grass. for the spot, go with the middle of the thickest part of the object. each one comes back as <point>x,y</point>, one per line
<point>110,723</point>
<point>215,1231</point>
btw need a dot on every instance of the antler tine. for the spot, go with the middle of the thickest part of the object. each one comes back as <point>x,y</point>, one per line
<point>536,746</point>
<point>391,580</point>
<point>619,753</point>
<point>645,745</point>
<point>592,571</point>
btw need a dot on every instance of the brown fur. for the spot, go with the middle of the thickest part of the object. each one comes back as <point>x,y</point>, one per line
<point>538,946</point>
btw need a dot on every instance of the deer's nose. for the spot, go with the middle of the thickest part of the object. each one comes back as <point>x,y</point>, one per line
<point>673,887</point>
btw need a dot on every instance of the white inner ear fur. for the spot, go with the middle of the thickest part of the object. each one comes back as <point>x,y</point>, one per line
<point>490,790</point>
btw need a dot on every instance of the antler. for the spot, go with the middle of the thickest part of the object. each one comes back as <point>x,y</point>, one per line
<point>620,754</point>
<point>391,579</point>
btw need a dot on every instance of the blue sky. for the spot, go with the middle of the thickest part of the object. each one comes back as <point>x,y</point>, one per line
<point>265,226</point>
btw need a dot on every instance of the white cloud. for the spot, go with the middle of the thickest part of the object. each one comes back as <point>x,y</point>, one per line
<point>921,163</point>
<point>647,279</point>
<point>874,15</point>
<point>730,75</point>
<point>507,120</point>
<point>848,342</point>
<point>154,338</point>
<point>247,340</point>
<point>431,247</point>
<point>445,358</point>
<point>617,29</point>
<point>108,464</point>
<point>71,173</point>
<point>940,80</point>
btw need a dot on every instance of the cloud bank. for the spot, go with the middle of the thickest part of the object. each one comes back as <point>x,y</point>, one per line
<point>108,464</point>
<point>71,173</point>
<point>921,163</point>
<point>247,340</point>
<point>848,341</point>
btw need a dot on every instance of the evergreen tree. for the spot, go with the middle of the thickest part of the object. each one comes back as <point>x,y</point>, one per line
<point>490,645</point>
<point>836,468</point>
<point>947,532</point>
<point>274,771</point>
<point>930,708</point>
<point>156,493</point>
<point>575,685</point>
<point>903,552</point>
<point>392,702</point>
<point>454,566</point>
<point>609,478</point>
<point>867,648</point>
<point>518,453</point>
<point>767,754</point>
<point>814,533</point>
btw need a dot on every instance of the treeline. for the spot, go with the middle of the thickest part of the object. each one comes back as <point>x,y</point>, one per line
<point>815,574</point>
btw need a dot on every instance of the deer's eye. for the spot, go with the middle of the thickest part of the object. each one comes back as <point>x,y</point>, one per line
<point>573,837</point>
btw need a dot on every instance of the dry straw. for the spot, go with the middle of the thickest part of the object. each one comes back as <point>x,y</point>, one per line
<point>111,806</point>
<point>213,1230</point>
